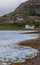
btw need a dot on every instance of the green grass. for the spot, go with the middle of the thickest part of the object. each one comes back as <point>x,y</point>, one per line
<point>20,25</point>
<point>11,26</point>
<point>36,23</point>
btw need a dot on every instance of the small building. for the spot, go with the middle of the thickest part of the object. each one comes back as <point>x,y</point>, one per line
<point>19,18</point>
<point>29,27</point>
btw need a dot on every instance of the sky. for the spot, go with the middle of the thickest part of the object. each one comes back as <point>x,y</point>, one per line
<point>7,6</point>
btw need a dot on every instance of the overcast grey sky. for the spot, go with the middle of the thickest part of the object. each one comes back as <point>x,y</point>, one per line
<point>7,6</point>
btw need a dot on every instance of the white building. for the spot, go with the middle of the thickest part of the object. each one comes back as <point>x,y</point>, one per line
<point>29,27</point>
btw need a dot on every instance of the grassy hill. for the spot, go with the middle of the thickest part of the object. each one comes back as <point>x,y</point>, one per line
<point>26,13</point>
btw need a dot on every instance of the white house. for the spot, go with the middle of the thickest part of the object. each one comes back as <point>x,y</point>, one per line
<point>29,27</point>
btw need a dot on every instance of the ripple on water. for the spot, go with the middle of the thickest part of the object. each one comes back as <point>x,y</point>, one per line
<point>16,53</point>
<point>13,52</point>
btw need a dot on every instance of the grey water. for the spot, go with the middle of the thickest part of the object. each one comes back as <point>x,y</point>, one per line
<point>9,37</point>
<point>10,49</point>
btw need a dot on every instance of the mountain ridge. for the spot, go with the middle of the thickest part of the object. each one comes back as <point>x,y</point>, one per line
<point>29,10</point>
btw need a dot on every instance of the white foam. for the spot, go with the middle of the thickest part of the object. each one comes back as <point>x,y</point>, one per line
<point>17,53</point>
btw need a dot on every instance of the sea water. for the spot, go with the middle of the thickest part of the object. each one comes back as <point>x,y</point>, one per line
<point>10,51</point>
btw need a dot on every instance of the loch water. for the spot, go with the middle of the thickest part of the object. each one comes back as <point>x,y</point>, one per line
<point>9,48</point>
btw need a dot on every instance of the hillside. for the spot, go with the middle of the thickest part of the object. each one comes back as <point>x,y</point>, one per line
<point>31,7</point>
<point>28,8</point>
<point>26,12</point>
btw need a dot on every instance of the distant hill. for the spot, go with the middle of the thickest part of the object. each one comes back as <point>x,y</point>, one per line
<point>29,10</point>
<point>31,7</point>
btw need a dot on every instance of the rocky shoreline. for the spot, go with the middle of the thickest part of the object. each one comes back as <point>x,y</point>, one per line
<point>34,43</point>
